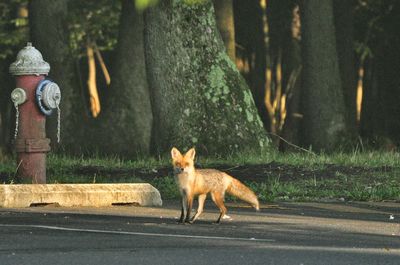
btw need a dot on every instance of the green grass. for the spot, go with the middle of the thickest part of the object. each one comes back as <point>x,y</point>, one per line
<point>376,185</point>
<point>354,188</point>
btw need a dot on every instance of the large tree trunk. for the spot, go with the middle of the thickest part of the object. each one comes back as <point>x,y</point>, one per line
<point>49,34</point>
<point>225,25</point>
<point>324,118</point>
<point>199,97</point>
<point>126,119</point>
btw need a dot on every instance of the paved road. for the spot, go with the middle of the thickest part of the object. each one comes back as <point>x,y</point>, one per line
<point>305,233</point>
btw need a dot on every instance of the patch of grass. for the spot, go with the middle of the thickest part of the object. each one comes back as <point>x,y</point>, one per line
<point>360,176</point>
<point>62,169</point>
<point>167,187</point>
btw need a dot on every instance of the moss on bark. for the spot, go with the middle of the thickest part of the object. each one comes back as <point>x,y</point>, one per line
<point>199,97</point>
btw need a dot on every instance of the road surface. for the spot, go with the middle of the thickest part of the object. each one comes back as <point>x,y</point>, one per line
<point>286,233</point>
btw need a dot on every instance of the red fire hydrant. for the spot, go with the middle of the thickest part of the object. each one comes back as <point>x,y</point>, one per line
<point>34,97</point>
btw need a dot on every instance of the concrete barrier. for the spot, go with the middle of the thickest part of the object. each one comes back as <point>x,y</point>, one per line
<point>68,195</point>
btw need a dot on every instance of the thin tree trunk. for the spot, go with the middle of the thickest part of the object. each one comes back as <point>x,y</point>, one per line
<point>7,122</point>
<point>199,97</point>
<point>250,36</point>
<point>225,24</point>
<point>292,68</point>
<point>343,11</point>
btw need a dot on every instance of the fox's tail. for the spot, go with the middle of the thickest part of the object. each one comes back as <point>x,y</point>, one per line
<point>238,189</point>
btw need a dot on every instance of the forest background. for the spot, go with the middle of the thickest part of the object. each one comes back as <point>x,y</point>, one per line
<point>227,76</point>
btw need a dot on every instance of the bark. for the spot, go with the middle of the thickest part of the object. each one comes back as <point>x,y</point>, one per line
<point>284,41</point>
<point>126,118</point>
<point>381,93</point>
<point>7,114</point>
<point>49,34</point>
<point>372,111</point>
<point>324,118</point>
<point>250,37</point>
<point>294,114</point>
<point>198,95</point>
<point>225,24</point>
<point>343,11</point>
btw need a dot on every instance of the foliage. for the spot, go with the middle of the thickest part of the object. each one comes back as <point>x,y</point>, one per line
<point>371,19</point>
<point>93,21</point>
<point>13,30</point>
<point>144,4</point>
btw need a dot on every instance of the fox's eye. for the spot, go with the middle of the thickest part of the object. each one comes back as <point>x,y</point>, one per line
<point>177,165</point>
<point>186,164</point>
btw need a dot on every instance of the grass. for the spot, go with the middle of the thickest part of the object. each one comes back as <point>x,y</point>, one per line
<point>381,183</point>
<point>355,188</point>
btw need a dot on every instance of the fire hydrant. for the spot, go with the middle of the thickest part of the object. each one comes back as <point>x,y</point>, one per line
<point>34,97</point>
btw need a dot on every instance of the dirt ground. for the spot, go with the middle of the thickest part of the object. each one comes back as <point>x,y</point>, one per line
<point>254,173</point>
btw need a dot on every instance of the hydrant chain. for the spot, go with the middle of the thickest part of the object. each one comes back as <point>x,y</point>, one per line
<point>16,120</point>
<point>58,122</point>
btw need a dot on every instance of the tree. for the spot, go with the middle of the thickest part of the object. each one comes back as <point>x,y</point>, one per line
<point>324,120</point>
<point>198,96</point>
<point>126,118</point>
<point>6,107</point>
<point>224,17</point>
<point>251,51</point>
<point>343,20</point>
<point>13,35</point>
<point>285,28</point>
<point>378,38</point>
<point>49,34</point>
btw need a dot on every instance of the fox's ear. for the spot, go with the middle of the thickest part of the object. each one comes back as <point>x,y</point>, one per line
<point>175,154</point>
<point>191,153</point>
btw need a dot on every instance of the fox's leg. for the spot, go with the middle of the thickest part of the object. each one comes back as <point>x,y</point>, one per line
<point>183,208</point>
<point>218,198</point>
<point>189,201</point>
<point>202,198</point>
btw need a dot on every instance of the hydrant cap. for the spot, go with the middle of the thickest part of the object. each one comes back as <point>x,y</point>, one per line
<point>29,62</point>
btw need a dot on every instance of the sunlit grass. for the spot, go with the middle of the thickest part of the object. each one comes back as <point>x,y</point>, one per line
<point>377,185</point>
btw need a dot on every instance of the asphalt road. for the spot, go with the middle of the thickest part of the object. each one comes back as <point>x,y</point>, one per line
<point>305,233</point>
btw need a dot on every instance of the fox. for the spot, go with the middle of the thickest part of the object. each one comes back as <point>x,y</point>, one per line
<point>199,182</point>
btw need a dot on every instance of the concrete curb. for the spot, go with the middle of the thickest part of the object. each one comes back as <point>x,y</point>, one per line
<point>68,195</point>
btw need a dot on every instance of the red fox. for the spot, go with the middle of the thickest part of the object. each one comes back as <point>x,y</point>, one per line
<point>199,182</point>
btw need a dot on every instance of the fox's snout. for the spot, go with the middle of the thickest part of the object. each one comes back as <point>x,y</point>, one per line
<point>178,170</point>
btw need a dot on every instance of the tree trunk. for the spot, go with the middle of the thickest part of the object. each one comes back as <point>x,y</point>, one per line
<point>294,116</point>
<point>198,95</point>
<point>380,106</point>
<point>283,23</point>
<point>225,24</point>
<point>372,111</point>
<point>324,118</point>
<point>7,120</point>
<point>49,34</point>
<point>249,36</point>
<point>343,17</point>
<point>126,118</point>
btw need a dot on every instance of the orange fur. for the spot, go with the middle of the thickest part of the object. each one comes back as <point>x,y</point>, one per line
<point>199,182</point>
